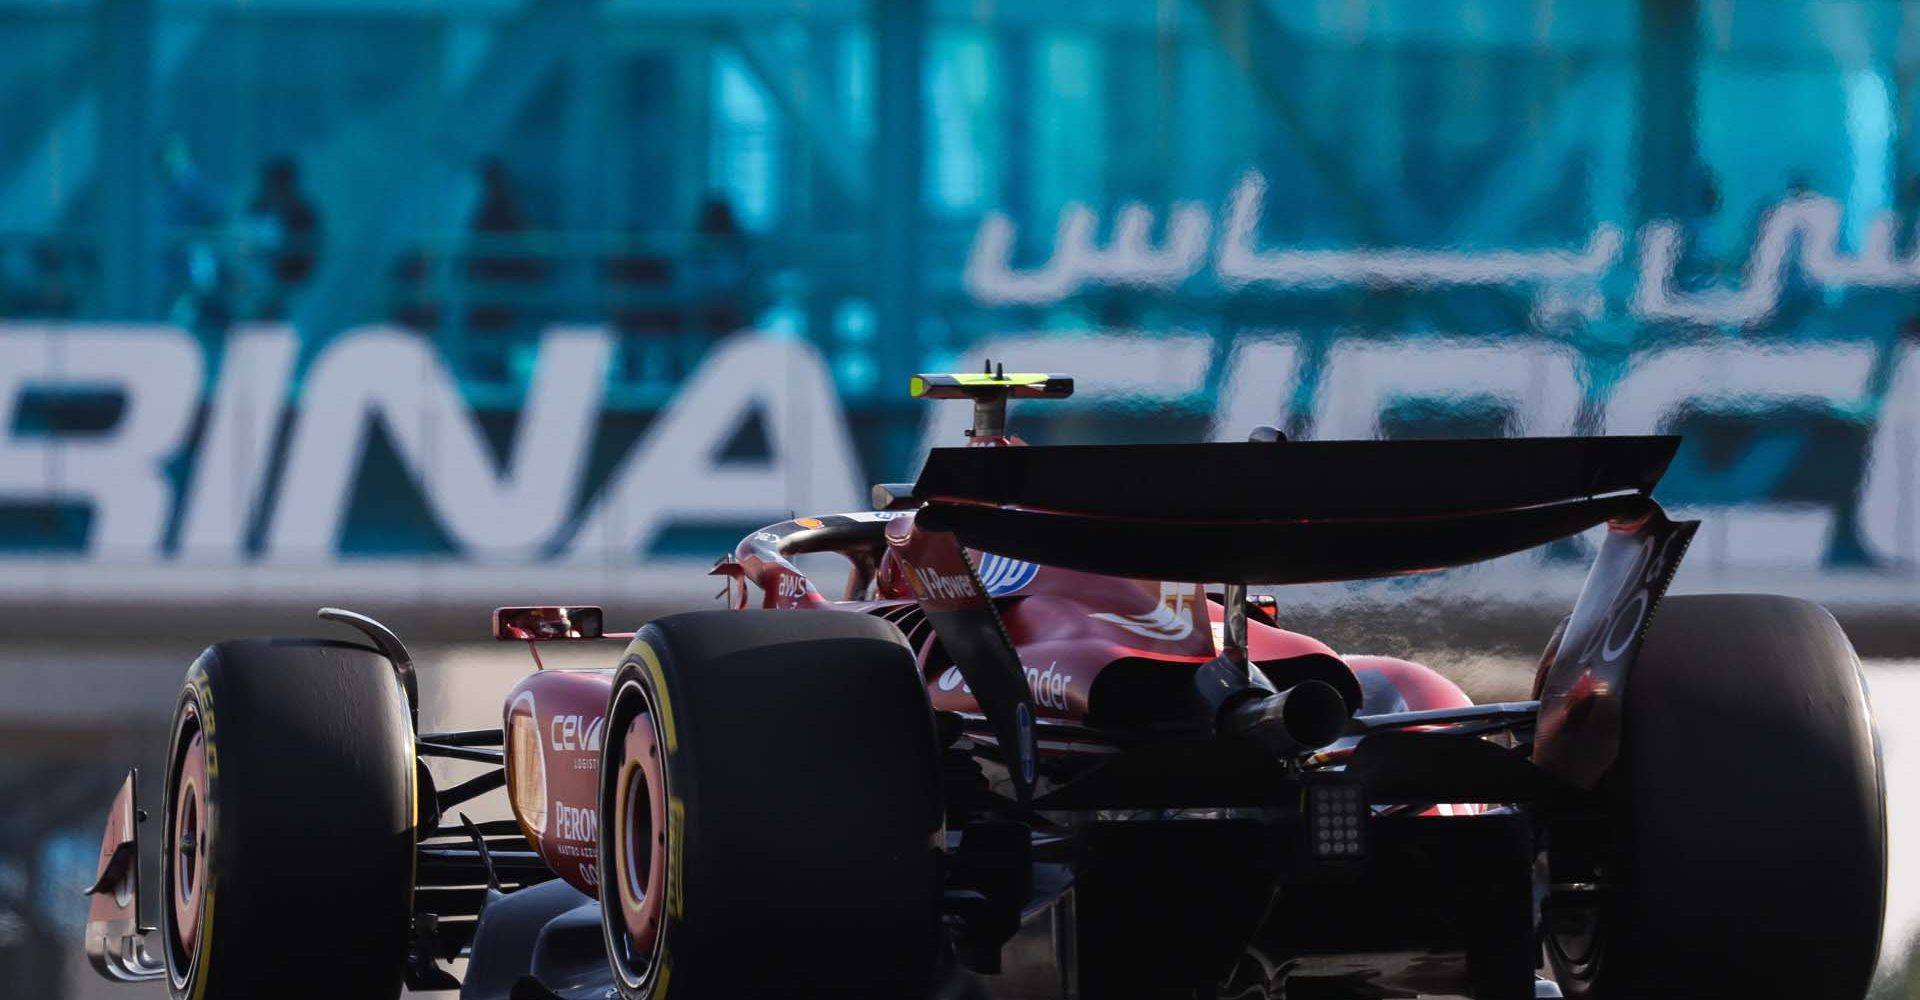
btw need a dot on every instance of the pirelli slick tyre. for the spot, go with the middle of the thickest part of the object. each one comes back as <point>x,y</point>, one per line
<point>1746,847</point>
<point>288,840</point>
<point>770,811</point>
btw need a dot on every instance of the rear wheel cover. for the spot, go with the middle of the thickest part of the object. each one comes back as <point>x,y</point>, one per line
<point>186,849</point>
<point>1576,942</point>
<point>189,844</point>
<point>639,843</point>
<point>1743,715</point>
<point>723,835</point>
<point>289,790</point>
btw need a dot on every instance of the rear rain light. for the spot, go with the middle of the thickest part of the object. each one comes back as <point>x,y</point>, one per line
<point>1337,820</point>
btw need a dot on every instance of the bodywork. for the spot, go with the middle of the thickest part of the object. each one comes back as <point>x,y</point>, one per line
<point>1058,604</point>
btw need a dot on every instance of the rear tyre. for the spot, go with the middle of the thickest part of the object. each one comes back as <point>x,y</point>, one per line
<point>288,840</point>
<point>1745,852</point>
<point>770,811</point>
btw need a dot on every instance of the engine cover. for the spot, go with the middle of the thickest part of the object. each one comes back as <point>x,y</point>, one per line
<point>555,723</point>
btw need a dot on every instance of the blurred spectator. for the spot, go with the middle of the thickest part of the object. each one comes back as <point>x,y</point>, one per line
<point>205,306</point>
<point>416,303</point>
<point>641,302</point>
<point>190,204</point>
<point>498,223</point>
<point>192,213</point>
<point>37,280</point>
<point>502,270</point>
<point>1906,216</point>
<point>720,271</point>
<point>283,236</point>
<point>672,310</point>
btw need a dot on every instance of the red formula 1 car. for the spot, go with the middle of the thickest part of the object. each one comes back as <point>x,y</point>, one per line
<point>1026,752</point>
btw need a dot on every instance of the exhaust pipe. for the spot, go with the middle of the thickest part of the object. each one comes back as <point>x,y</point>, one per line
<point>1235,699</point>
<point>1303,718</point>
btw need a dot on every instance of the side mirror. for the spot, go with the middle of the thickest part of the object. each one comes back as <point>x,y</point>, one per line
<point>894,496</point>
<point>548,623</point>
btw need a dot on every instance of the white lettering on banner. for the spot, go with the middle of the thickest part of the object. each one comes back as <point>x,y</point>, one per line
<point>1808,225</point>
<point>675,475</point>
<point>119,473</point>
<point>395,375</point>
<point>1263,373</point>
<point>236,450</point>
<point>1536,382</point>
<point>1890,499</point>
<point>1126,261</point>
<point>510,511</point>
<point>1565,276</point>
<point>1238,263</point>
<point>1664,386</point>
<point>1801,232</point>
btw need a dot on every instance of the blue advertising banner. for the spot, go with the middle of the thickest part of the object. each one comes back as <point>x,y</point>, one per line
<point>132,450</point>
<point>455,301</point>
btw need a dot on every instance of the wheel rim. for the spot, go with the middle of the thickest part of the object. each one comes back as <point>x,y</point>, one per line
<point>1576,943</point>
<point>184,853</point>
<point>638,845</point>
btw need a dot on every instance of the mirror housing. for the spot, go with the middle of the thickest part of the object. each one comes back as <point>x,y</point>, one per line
<point>548,623</point>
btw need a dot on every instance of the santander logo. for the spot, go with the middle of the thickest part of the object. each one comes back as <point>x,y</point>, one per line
<point>1049,686</point>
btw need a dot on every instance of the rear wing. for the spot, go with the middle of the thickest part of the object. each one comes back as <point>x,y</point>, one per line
<point>1285,512</point>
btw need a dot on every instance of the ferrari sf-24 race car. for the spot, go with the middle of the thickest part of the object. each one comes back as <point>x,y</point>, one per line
<point>1028,752</point>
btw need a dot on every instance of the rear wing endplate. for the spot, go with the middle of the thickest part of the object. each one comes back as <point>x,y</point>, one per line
<point>1583,687</point>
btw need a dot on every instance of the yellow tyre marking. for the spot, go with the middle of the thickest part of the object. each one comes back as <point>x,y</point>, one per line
<point>676,809</point>
<point>664,706</point>
<point>206,941</point>
<point>666,974</point>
